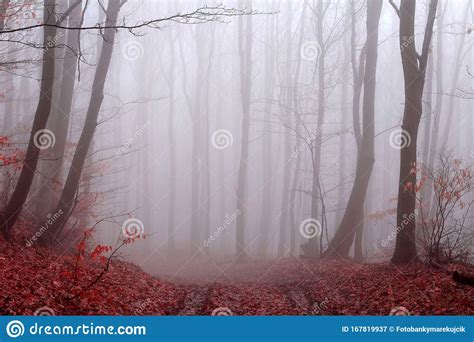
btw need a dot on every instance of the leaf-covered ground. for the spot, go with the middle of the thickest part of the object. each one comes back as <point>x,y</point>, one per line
<point>43,282</point>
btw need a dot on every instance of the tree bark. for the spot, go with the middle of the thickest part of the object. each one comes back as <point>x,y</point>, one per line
<point>245,53</point>
<point>97,95</point>
<point>22,188</point>
<point>354,216</point>
<point>414,68</point>
<point>60,116</point>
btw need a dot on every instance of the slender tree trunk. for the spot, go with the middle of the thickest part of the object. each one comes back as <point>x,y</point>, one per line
<point>60,117</point>
<point>97,95</point>
<point>3,11</point>
<point>297,109</point>
<point>414,68</point>
<point>171,147</point>
<point>207,175</point>
<point>426,190</point>
<point>267,174</point>
<point>451,114</point>
<point>287,141</point>
<point>438,99</point>
<point>313,245</point>
<point>196,229</point>
<point>245,52</point>
<point>354,216</point>
<point>19,195</point>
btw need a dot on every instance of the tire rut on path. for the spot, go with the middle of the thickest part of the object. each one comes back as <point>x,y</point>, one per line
<point>297,297</point>
<point>195,301</point>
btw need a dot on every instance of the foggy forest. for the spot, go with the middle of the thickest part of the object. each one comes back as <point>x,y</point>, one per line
<point>243,157</point>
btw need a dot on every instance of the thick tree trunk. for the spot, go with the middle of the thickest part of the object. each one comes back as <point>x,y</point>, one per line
<point>354,216</point>
<point>414,68</point>
<point>22,188</point>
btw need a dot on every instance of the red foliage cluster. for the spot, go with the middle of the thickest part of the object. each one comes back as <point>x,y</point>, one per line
<point>36,278</point>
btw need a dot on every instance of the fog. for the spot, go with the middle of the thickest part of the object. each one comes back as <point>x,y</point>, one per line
<point>232,137</point>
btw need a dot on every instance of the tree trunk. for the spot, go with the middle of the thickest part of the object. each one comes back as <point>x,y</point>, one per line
<point>286,92</point>
<point>22,188</point>
<point>353,219</point>
<point>267,174</point>
<point>97,95</point>
<point>60,117</point>
<point>414,68</point>
<point>171,147</point>
<point>245,52</point>
<point>313,245</point>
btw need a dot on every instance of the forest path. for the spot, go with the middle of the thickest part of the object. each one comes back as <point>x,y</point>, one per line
<point>294,286</point>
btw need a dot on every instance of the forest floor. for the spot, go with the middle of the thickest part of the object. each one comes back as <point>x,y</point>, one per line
<point>44,282</point>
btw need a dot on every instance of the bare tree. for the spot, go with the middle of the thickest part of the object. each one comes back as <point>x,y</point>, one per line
<point>19,195</point>
<point>414,68</point>
<point>354,216</point>
<point>70,189</point>
<point>245,54</point>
